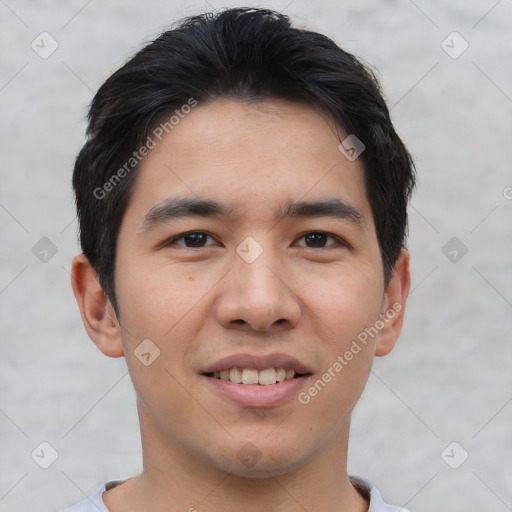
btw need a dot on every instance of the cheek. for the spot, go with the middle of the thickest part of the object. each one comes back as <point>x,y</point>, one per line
<point>345,303</point>
<point>153,300</point>
<point>345,316</point>
<point>345,311</point>
<point>158,318</point>
<point>167,305</point>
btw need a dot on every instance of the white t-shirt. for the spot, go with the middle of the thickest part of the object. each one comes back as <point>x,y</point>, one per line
<point>94,503</point>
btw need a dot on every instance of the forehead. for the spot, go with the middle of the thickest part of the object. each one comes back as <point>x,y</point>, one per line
<point>255,157</point>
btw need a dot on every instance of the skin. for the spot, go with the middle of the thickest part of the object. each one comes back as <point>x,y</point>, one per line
<point>199,304</point>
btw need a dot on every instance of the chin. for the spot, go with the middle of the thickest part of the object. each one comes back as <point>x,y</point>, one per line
<point>251,462</point>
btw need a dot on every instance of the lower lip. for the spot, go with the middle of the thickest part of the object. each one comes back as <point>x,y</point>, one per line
<point>257,395</point>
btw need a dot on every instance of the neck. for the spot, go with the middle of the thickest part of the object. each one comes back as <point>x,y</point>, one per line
<point>174,480</point>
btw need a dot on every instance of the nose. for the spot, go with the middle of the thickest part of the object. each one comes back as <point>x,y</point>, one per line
<point>258,296</point>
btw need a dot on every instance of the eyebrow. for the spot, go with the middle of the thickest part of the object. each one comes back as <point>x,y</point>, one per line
<point>177,208</point>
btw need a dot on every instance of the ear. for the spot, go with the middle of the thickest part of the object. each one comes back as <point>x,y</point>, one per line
<point>393,305</point>
<point>98,315</point>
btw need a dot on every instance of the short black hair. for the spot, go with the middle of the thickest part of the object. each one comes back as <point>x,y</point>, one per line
<point>246,53</point>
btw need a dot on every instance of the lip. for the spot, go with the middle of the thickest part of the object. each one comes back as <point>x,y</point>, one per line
<point>256,395</point>
<point>255,362</point>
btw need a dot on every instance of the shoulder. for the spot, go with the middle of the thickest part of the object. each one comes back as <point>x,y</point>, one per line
<point>368,490</point>
<point>94,503</point>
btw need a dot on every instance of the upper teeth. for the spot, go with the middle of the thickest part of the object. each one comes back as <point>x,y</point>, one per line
<point>250,376</point>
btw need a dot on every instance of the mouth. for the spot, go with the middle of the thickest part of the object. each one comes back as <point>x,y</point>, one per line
<point>253,376</point>
<point>257,381</point>
<point>250,369</point>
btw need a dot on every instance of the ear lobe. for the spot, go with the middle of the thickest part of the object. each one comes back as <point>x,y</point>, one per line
<point>393,308</point>
<point>97,313</point>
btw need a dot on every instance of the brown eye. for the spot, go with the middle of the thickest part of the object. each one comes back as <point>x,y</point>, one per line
<point>319,239</point>
<point>195,239</point>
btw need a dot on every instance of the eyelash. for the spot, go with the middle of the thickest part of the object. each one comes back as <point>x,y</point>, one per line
<point>339,241</point>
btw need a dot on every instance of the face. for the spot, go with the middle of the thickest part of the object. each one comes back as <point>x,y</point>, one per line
<point>257,284</point>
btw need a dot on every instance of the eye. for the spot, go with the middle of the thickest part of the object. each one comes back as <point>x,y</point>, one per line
<point>191,239</point>
<point>197,239</point>
<point>318,239</point>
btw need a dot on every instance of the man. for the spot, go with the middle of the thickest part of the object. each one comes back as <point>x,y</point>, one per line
<point>242,203</point>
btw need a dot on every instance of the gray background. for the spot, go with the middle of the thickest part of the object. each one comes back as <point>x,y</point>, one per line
<point>449,377</point>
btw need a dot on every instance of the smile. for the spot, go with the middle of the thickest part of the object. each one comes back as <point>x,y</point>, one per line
<point>265,377</point>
